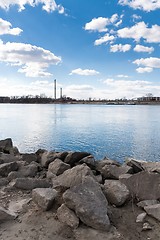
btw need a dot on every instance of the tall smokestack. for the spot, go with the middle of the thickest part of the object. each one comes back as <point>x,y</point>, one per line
<point>61,93</point>
<point>55,89</point>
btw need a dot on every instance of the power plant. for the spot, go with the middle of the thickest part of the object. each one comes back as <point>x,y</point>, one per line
<point>55,91</point>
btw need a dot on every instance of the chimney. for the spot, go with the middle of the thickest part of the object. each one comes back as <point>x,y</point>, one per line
<point>55,89</point>
<point>60,93</point>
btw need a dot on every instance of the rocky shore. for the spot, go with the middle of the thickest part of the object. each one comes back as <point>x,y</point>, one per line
<point>70,195</point>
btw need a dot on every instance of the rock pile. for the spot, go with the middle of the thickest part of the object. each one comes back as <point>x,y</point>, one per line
<point>81,188</point>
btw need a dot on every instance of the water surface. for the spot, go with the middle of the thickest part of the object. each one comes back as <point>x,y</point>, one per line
<point>113,131</point>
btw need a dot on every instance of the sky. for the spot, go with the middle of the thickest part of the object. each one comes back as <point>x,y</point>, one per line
<point>99,49</point>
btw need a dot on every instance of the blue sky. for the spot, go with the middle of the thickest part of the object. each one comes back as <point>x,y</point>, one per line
<point>94,48</point>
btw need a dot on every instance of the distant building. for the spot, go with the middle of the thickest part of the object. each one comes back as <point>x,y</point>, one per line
<point>149,99</point>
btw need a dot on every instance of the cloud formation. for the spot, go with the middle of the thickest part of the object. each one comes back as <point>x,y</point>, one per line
<point>100,24</point>
<point>148,64</point>
<point>32,60</point>
<point>106,38</point>
<point>84,72</point>
<point>140,48</point>
<point>120,48</point>
<point>47,5</point>
<point>6,28</point>
<point>145,5</point>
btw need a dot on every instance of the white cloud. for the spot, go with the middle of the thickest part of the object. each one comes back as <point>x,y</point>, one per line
<point>122,76</point>
<point>33,60</point>
<point>106,38</point>
<point>144,69</point>
<point>140,30</point>
<point>140,48</point>
<point>47,5</point>
<point>99,24</point>
<point>120,48</point>
<point>136,17</point>
<point>84,72</point>
<point>145,5</point>
<point>6,28</point>
<point>151,62</point>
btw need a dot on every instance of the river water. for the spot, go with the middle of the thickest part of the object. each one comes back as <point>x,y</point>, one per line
<point>103,130</point>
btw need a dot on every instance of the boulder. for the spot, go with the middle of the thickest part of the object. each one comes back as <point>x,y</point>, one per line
<point>116,192</point>
<point>106,161</point>
<point>72,177</point>
<point>29,157</point>
<point>29,170</point>
<point>47,158</point>
<point>6,168</point>
<point>146,203</point>
<point>3,182</point>
<point>141,217</point>
<point>89,203</point>
<point>6,145</point>
<point>7,158</point>
<point>89,161</point>
<point>57,167</point>
<point>74,157</point>
<point>61,155</point>
<point>6,215</point>
<point>135,164</point>
<point>153,210</point>
<point>44,197</point>
<point>67,216</point>
<point>114,172</point>
<point>18,205</point>
<point>30,183</point>
<point>143,185</point>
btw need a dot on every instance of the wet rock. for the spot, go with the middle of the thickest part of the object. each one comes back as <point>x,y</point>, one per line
<point>116,192</point>
<point>140,218</point>
<point>72,177</point>
<point>89,203</point>
<point>44,197</point>
<point>6,168</point>
<point>89,161</point>
<point>114,172</point>
<point>6,214</point>
<point>74,157</point>
<point>57,167</point>
<point>6,145</point>
<point>30,183</point>
<point>153,210</point>
<point>143,185</point>
<point>67,216</point>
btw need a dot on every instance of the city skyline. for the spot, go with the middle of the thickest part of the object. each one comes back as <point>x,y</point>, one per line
<point>101,49</point>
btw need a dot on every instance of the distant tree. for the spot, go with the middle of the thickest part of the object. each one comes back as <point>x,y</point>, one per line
<point>150,95</point>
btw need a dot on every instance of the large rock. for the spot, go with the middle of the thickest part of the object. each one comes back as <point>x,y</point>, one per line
<point>7,158</point>
<point>29,170</point>
<point>44,197</point>
<point>47,158</point>
<point>6,168</point>
<point>30,183</point>
<point>106,161</point>
<point>89,161</point>
<point>57,167</point>
<point>114,172</point>
<point>3,182</point>
<point>6,214</point>
<point>74,157</point>
<point>153,210</point>
<point>67,216</point>
<point>146,203</point>
<point>89,203</point>
<point>29,157</point>
<point>143,185</point>
<point>72,177</point>
<point>139,165</point>
<point>116,192</point>
<point>6,145</point>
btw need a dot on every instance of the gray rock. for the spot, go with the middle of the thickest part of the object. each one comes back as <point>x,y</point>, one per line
<point>44,197</point>
<point>89,161</point>
<point>6,168</point>
<point>57,167</point>
<point>146,203</point>
<point>135,164</point>
<point>116,192</point>
<point>13,175</point>
<point>74,157</point>
<point>125,176</point>
<point>6,215</point>
<point>50,175</point>
<point>47,158</point>
<point>151,166</point>
<point>18,205</point>
<point>29,170</point>
<point>89,203</point>
<point>29,157</point>
<point>153,210</point>
<point>72,177</point>
<point>3,182</point>
<point>140,218</point>
<point>7,158</point>
<point>67,216</point>
<point>30,183</point>
<point>106,161</point>
<point>114,172</point>
<point>98,178</point>
<point>6,145</point>
<point>146,226</point>
<point>143,185</point>
<point>61,155</point>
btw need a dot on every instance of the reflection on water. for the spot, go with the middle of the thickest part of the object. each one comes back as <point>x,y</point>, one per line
<point>113,131</point>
